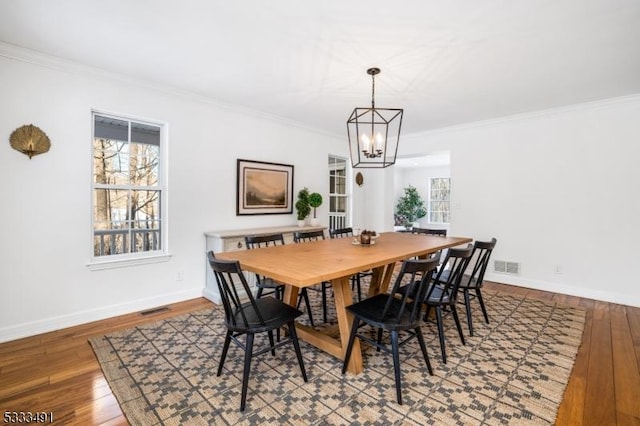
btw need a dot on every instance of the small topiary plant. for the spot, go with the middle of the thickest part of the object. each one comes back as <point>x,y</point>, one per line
<point>315,201</point>
<point>302,205</point>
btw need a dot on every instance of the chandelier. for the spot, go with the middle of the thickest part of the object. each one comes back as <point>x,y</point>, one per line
<point>374,133</point>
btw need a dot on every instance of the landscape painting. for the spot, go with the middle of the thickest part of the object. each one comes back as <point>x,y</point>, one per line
<point>264,188</point>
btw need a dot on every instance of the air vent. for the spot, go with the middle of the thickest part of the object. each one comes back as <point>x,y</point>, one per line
<point>155,310</point>
<point>504,267</point>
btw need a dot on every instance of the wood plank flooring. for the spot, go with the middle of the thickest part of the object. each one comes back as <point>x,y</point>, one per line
<point>57,372</point>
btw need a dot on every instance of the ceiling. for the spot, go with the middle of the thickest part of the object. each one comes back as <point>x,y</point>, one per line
<point>444,62</point>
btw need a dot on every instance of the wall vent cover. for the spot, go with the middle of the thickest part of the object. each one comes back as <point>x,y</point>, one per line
<point>155,310</point>
<point>505,267</point>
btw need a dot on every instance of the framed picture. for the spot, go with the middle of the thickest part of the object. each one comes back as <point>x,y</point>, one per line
<point>264,188</point>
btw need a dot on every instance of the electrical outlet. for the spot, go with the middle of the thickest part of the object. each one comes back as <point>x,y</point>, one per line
<point>557,269</point>
<point>180,276</point>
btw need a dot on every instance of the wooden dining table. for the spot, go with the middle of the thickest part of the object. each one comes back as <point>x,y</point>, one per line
<point>336,260</point>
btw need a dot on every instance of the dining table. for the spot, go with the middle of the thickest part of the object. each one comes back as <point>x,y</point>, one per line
<point>336,260</point>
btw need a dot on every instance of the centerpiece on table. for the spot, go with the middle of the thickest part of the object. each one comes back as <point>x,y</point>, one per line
<point>366,237</point>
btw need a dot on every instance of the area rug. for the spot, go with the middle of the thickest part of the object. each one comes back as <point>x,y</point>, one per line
<point>512,371</point>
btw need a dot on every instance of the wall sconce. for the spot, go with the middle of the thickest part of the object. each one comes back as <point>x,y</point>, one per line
<point>30,140</point>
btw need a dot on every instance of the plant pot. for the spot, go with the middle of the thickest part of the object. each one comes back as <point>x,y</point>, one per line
<point>301,223</point>
<point>314,222</point>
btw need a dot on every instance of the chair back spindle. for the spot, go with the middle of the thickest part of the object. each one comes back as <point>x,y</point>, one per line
<point>341,233</point>
<point>481,253</point>
<point>450,275</point>
<point>308,236</point>
<point>420,274</point>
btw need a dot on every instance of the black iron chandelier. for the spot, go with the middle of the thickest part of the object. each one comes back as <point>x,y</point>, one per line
<point>374,133</point>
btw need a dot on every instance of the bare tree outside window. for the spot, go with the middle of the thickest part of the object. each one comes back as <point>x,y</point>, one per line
<point>439,200</point>
<point>127,217</point>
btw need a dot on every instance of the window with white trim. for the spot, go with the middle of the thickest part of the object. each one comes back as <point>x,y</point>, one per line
<point>128,189</point>
<point>338,197</point>
<point>439,200</point>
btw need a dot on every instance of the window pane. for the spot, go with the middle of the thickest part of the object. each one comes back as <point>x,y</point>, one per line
<point>439,197</point>
<point>341,185</point>
<point>110,128</point>
<point>110,205</point>
<point>146,235</point>
<point>143,164</point>
<point>110,162</point>
<point>145,134</point>
<point>109,242</point>
<point>145,206</point>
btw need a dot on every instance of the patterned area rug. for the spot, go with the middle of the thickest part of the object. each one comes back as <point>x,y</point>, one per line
<point>513,371</point>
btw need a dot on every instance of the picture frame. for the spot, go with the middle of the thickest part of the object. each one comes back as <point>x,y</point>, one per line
<point>264,188</point>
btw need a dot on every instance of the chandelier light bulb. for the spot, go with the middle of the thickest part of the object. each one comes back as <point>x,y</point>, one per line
<point>379,142</point>
<point>366,142</point>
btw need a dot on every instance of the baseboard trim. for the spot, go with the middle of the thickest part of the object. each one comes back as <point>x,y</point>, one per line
<point>63,321</point>
<point>207,293</point>
<point>605,296</point>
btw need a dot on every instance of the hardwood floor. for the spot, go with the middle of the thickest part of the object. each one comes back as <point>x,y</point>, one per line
<point>57,372</point>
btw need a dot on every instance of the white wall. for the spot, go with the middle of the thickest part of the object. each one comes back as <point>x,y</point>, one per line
<point>369,200</point>
<point>557,187</point>
<point>45,230</point>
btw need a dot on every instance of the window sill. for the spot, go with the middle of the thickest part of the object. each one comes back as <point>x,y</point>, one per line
<point>127,262</point>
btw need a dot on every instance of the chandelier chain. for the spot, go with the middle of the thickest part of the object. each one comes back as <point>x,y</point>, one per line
<point>373,90</point>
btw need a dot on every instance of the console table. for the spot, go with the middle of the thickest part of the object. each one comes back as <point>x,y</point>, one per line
<point>233,240</point>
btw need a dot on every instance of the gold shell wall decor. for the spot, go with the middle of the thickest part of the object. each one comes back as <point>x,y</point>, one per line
<point>30,140</point>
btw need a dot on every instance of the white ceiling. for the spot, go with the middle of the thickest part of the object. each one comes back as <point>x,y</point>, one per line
<point>445,62</point>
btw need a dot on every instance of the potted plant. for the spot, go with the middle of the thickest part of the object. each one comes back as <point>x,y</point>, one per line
<point>410,206</point>
<point>302,206</point>
<point>315,201</point>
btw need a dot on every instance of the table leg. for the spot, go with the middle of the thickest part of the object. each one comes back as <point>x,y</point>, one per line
<point>343,298</point>
<point>335,346</point>
<point>380,279</point>
<point>291,295</point>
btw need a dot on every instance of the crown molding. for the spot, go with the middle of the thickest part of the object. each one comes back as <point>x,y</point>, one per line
<point>583,106</point>
<point>22,54</point>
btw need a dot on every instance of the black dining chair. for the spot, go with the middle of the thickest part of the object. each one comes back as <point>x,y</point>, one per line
<point>257,315</point>
<point>473,279</point>
<point>443,290</point>
<point>310,236</point>
<point>356,279</point>
<point>394,312</point>
<point>267,284</point>
<point>430,231</point>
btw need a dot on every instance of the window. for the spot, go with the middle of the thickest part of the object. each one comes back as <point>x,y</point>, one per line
<point>337,192</point>
<point>127,188</point>
<point>439,200</point>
